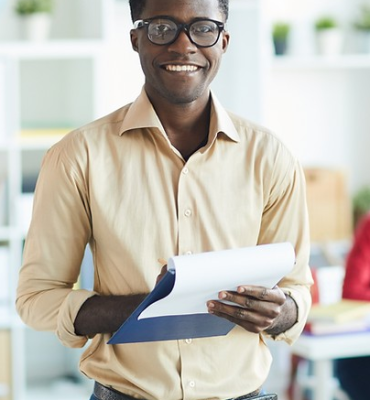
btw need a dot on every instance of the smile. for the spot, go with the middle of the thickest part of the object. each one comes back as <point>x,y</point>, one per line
<point>181,68</point>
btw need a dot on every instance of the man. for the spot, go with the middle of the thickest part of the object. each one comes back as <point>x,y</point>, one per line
<point>172,173</point>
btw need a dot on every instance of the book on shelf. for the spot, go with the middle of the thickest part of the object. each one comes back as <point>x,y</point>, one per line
<point>330,328</point>
<point>341,311</point>
<point>177,306</point>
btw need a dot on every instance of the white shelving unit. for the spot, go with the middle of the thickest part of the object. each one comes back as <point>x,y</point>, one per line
<point>46,89</point>
<point>21,157</point>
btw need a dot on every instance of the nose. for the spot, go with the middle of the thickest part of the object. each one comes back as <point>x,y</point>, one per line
<point>183,44</point>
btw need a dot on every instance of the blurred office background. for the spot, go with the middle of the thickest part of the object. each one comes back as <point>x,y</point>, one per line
<point>302,68</point>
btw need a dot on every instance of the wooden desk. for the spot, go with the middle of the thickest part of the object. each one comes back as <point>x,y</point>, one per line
<point>322,350</point>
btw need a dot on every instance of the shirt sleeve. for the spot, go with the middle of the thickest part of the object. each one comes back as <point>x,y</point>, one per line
<point>55,244</point>
<point>286,219</point>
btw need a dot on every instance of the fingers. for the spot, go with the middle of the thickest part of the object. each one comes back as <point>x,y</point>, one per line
<point>255,308</point>
<point>161,274</point>
<point>274,295</point>
<point>248,319</point>
<point>251,297</point>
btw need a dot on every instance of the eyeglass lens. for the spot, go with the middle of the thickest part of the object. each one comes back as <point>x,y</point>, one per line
<point>201,32</point>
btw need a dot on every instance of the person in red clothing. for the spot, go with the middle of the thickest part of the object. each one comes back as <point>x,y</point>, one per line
<point>356,283</point>
<point>353,373</point>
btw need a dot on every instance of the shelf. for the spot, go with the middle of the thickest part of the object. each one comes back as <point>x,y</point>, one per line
<point>47,89</point>
<point>52,49</point>
<point>350,61</point>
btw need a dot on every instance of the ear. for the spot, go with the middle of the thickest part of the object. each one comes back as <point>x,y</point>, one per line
<point>225,40</point>
<point>134,40</point>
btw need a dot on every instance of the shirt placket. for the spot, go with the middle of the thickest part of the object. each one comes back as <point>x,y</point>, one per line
<point>186,245</point>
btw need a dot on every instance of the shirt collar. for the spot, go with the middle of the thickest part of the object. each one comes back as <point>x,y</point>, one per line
<point>141,114</point>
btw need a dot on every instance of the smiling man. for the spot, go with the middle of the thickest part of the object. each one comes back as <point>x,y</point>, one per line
<point>172,173</point>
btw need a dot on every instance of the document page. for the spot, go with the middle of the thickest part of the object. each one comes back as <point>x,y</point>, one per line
<point>200,277</point>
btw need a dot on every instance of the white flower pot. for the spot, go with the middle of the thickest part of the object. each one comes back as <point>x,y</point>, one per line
<point>36,27</point>
<point>329,41</point>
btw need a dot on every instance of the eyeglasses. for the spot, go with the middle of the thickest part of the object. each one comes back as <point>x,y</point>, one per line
<point>164,30</point>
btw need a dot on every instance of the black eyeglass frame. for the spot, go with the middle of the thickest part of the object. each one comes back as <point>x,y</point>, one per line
<point>141,23</point>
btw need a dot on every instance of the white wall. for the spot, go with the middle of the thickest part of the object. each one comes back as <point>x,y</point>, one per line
<point>321,111</point>
<point>238,83</point>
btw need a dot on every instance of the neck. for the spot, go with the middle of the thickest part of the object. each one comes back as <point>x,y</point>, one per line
<point>186,125</point>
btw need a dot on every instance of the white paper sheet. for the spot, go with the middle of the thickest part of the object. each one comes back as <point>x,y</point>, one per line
<point>200,277</point>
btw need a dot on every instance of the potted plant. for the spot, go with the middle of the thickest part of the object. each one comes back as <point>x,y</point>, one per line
<point>329,36</point>
<point>35,18</point>
<point>280,34</point>
<point>362,28</point>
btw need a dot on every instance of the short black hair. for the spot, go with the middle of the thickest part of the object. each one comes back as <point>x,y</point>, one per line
<point>137,8</point>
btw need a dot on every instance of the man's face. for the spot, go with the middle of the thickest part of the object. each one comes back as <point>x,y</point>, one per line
<point>179,72</point>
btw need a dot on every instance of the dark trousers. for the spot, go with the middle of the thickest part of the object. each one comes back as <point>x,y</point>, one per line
<point>354,376</point>
<point>93,397</point>
<point>104,393</point>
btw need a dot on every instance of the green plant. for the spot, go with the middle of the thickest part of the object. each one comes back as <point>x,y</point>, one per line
<point>363,23</point>
<point>280,30</point>
<point>25,7</point>
<point>325,23</point>
<point>361,203</point>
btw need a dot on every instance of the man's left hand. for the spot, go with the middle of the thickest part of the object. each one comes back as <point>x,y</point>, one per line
<point>256,308</point>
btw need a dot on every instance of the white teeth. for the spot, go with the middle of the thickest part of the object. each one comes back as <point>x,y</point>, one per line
<point>181,68</point>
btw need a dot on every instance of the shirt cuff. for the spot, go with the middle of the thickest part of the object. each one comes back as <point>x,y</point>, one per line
<point>67,315</point>
<point>301,296</point>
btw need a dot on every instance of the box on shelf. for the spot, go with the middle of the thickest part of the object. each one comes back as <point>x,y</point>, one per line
<point>329,204</point>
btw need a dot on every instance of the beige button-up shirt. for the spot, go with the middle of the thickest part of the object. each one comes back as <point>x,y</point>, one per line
<point>119,185</point>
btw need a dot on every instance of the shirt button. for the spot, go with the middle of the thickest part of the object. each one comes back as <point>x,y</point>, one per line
<point>187,213</point>
<point>185,171</point>
<point>192,384</point>
<point>188,341</point>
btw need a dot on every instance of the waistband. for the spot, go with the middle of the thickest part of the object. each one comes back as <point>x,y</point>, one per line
<point>105,393</point>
